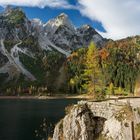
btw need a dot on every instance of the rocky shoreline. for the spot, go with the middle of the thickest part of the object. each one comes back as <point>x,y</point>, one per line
<point>106,120</point>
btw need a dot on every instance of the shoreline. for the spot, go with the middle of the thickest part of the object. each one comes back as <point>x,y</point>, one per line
<point>48,97</point>
<point>61,96</point>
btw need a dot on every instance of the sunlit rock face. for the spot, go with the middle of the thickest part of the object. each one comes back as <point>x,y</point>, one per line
<point>80,123</point>
<point>111,120</point>
<point>61,33</point>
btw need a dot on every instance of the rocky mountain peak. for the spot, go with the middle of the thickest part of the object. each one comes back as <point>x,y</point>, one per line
<point>10,10</point>
<point>60,20</point>
<point>86,26</point>
<point>63,19</point>
<point>62,16</point>
<point>14,24</point>
<point>90,34</point>
<point>37,23</point>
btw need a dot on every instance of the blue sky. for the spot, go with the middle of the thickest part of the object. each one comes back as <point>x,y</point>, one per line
<point>113,19</point>
<point>47,13</point>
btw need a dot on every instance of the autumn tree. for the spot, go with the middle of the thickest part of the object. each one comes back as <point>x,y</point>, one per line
<point>92,71</point>
<point>75,68</point>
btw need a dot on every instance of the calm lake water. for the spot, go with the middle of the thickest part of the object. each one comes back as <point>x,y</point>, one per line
<point>20,118</point>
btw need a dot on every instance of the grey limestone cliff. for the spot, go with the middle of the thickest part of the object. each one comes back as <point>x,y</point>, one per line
<point>107,120</point>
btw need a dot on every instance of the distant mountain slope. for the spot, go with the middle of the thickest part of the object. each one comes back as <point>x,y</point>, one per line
<point>32,52</point>
<point>26,46</point>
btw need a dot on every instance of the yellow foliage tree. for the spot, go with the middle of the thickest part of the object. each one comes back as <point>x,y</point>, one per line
<point>92,71</point>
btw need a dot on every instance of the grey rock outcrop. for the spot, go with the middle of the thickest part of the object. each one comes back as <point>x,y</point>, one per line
<point>107,120</point>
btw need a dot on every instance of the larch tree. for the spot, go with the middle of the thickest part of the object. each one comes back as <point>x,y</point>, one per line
<point>92,71</point>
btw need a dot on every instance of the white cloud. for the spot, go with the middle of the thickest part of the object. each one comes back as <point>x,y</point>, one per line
<point>120,18</point>
<point>38,3</point>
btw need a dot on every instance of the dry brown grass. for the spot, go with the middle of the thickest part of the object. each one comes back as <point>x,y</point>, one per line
<point>124,113</point>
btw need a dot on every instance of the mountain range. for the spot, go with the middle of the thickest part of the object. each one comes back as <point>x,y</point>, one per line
<point>33,52</point>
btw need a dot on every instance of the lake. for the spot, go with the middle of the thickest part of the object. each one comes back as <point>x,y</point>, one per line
<point>19,118</point>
